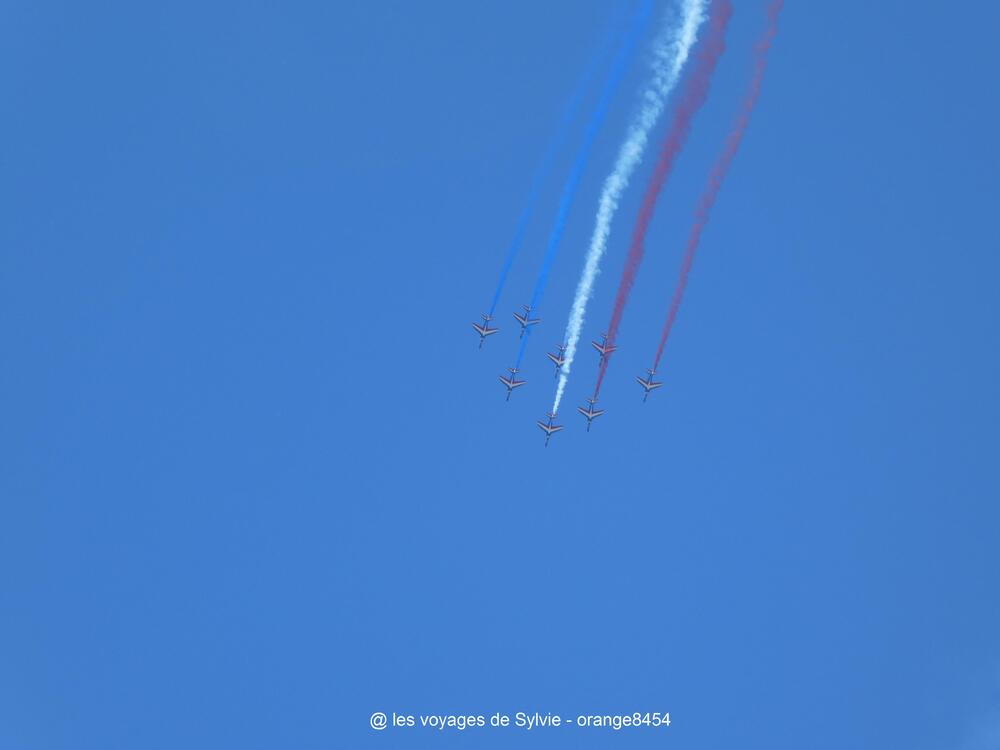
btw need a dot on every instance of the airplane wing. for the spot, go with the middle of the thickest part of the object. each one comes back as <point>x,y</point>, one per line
<point>556,427</point>
<point>506,381</point>
<point>479,328</point>
<point>516,383</point>
<point>598,413</point>
<point>655,385</point>
<point>522,319</point>
<point>583,411</point>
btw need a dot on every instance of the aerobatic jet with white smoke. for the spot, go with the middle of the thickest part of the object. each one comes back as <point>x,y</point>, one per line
<point>548,428</point>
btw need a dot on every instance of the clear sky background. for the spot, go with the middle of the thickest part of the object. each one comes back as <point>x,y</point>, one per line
<point>257,482</point>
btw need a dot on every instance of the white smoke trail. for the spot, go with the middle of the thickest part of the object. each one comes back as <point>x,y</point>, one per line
<point>670,52</point>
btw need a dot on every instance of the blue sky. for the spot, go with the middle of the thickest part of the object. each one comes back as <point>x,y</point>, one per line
<point>258,482</point>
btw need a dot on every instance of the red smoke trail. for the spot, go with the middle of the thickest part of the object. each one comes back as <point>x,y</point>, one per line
<point>718,173</point>
<point>694,95</point>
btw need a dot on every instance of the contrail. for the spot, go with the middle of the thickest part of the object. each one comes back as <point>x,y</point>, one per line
<point>619,67</point>
<point>719,170</point>
<point>693,97</point>
<point>670,52</point>
<point>554,147</point>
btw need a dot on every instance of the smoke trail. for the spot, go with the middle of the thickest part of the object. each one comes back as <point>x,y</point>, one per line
<point>621,62</point>
<point>695,93</point>
<point>670,53</point>
<point>719,170</point>
<point>554,147</point>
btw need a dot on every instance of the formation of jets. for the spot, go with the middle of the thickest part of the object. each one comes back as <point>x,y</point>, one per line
<point>558,359</point>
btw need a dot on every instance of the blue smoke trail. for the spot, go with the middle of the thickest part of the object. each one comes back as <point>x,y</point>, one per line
<point>555,146</point>
<point>621,64</point>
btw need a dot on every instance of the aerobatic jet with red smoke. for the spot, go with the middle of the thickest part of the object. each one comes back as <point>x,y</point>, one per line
<point>648,384</point>
<point>590,412</point>
<point>604,348</point>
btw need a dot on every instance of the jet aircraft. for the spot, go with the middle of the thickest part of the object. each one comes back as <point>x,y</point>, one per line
<point>511,382</point>
<point>590,412</point>
<point>548,428</point>
<point>648,383</point>
<point>484,330</point>
<point>526,319</point>
<point>603,348</point>
<point>558,359</point>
